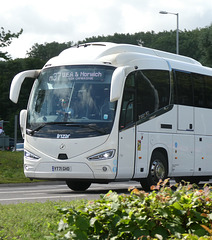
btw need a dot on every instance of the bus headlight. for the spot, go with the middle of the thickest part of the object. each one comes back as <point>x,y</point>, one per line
<point>30,156</point>
<point>103,155</point>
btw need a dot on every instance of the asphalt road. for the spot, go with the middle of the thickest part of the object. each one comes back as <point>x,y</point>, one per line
<point>55,191</point>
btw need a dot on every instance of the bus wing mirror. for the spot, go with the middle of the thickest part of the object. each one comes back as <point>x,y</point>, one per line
<point>116,83</point>
<point>23,116</point>
<point>17,82</point>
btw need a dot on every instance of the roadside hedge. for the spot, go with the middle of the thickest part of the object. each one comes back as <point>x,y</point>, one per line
<point>182,211</point>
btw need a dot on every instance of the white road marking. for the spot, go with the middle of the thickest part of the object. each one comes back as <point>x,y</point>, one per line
<point>34,191</point>
<point>34,198</point>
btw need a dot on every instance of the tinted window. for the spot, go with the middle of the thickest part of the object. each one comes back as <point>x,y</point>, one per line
<point>128,102</point>
<point>193,89</point>
<point>202,90</point>
<point>183,88</point>
<point>153,91</point>
<point>199,90</point>
<point>145,92</point>
<point>208,91</point>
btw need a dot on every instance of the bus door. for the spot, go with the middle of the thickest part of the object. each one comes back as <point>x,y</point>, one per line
<point>126,154</point>
<point>133,153</point>
<point>127,133</point>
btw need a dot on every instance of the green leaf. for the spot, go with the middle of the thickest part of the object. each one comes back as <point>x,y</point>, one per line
<point>80,235</point>
<point>92,221</point>
<point>97,225</point>
<point>151,224</point>
<point>140,232</point>
<point>175,228</point>
<point>82,223</point>
<point>177,206</point>
<point>197,230</point>
<point>160,231</point>
<point>62,225</point>
<point>115,206</point>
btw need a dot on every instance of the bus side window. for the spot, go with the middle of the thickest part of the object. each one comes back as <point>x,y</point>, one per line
<point>128,103</point>
<point>39,100</point>
<point>147,95</point>
<point>201,93</point>
<point>184,89</point>
<point>153,91</point>
<point>145,92</point>
<point>208,88</point>
<point>199,90</point>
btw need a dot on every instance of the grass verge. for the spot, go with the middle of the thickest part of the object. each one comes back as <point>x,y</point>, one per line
<point>25,221</point>
<point>11,167</point>
<point>30,220</point>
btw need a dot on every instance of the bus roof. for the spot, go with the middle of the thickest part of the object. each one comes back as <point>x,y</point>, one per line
<point>101,52</point>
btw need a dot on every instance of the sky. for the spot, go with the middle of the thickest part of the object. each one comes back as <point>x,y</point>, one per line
<point>45,21</point>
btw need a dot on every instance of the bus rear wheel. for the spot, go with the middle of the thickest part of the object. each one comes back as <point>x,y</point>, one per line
<point>78,185</point>
<point>158,170</point>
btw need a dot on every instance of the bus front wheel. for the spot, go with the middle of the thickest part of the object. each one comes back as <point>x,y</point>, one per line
<point>158,170</point>
<point>78,185</point>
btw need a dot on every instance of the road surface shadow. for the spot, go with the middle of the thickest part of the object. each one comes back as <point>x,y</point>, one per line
<point>98,190</point>
<point>124,190</point>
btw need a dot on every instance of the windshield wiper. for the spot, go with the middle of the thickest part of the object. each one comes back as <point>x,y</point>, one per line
<point>32,131</point>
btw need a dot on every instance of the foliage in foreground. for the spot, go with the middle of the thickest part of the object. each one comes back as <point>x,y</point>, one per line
<point>164,213</point>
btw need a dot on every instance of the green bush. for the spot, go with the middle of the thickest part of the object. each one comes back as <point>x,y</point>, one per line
<point>184,212</point>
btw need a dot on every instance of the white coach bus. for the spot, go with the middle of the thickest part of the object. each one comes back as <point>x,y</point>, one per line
<point>103,112</point>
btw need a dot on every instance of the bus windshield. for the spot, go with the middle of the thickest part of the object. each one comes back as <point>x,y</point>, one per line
<point>71,102</point>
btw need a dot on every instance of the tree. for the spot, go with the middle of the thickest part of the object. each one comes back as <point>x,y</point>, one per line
<point>47,50</point>
<point>6,40</point>
<point>8,69</point>
<point>205,45</point>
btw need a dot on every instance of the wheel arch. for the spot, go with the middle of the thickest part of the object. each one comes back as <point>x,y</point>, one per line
<point>165,154</point>
<point>158,168</point>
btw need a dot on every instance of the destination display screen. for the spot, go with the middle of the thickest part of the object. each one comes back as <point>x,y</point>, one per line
<point>76,75</point>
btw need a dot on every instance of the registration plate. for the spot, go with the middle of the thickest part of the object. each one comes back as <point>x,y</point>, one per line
<point>61,169</point>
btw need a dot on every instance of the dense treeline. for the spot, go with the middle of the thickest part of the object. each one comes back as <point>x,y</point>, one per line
<point>196,44</point>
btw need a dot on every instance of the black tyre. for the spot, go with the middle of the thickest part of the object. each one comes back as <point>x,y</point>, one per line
<point>158,169</point>
<point>78,185</point>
